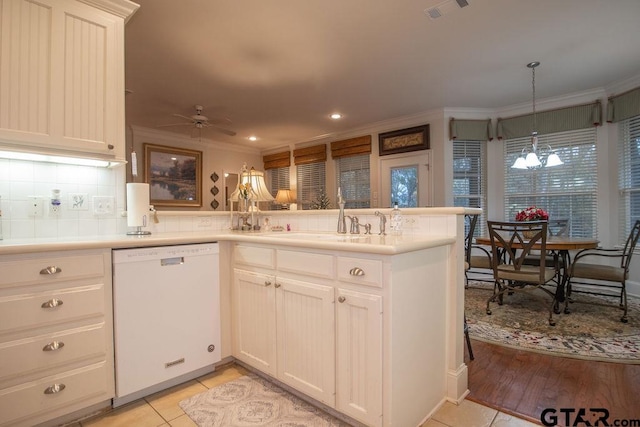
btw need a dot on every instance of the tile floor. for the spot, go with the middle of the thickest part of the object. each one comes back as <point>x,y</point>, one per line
<point>162,410</point>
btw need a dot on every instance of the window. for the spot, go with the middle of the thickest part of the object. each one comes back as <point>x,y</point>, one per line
<point>353,177</point>
<point>311,184</point>
<point>278,180</point>
<point>629,174</point>
<point>469,182</point>
<point>566,191</point>
<point>404,186</point>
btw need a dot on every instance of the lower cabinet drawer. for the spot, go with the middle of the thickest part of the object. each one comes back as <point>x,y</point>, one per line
<point>361,271</point>
<point>47,308</point>
<point>19,403</point>
<point>47,351</point>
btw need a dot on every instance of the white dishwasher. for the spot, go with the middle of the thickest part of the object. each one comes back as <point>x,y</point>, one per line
<point>166,317</point>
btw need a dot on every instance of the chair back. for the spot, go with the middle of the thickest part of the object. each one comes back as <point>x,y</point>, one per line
<point>514,242</point>
<point>558,227</point>
<point>470,221</point>
<point>630,245</point>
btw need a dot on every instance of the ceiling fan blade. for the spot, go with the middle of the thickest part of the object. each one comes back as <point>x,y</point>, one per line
<point>175,124</point>
<point>221,120</point>
<point>219,129</point>
<point>183,117</point>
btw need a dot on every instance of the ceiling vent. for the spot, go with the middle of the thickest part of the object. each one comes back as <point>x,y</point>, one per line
<point>445,8</point>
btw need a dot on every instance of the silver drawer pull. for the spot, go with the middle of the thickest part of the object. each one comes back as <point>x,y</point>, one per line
<point>341,299</point>
<point>267,283</point>
<point>52,269</point>
<point>53,302</point>
<point>356,271</point>
<point>53,346</point>
<point>278,285</point>
<point>53,389</point>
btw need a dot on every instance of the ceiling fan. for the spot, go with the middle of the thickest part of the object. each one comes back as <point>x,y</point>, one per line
<point>199,122</point>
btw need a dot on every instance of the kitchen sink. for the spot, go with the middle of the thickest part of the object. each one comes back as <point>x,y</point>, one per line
<point>318,236</point>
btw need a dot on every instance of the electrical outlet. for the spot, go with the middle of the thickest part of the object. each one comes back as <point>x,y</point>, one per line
<point>35,208</point>
<point>204,221</point>
<point>103,205</point>
<point>78,201</point>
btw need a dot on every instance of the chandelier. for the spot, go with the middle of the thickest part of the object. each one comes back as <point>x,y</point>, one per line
<point>534,157</point>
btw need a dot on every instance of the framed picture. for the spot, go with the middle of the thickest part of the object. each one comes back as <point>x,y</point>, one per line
<point>404,140</point>
<point>174,175</point>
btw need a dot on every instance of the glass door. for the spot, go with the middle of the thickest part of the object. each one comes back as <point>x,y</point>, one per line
<point>405,179</point>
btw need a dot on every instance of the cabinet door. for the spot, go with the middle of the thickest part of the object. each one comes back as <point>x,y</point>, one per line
<point>255,320</point>
<point>306,338</point>
<point>359,356</point>
<point>62,77</point>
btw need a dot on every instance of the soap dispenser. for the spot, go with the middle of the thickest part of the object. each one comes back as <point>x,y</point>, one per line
<point>396,220</point>
<point>54,208</point>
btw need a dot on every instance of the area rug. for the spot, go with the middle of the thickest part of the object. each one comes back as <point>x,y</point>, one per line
<point>253,401</point>
<point>589,332</point>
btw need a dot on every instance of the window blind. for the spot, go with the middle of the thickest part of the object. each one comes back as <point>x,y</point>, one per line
<point>311,183</point>
<point>565,191</point>
<point>469,178</point>
<point>628,175</point>
<point>278,179</point>
<point>353,178</point>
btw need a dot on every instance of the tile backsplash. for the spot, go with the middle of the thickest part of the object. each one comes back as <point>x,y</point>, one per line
<point>26,192</point>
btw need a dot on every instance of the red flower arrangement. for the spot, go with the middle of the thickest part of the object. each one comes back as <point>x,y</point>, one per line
<point>532,213</point>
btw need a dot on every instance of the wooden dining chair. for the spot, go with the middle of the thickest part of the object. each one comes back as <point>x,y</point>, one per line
<point>590,271</point>
<point>511,244</point>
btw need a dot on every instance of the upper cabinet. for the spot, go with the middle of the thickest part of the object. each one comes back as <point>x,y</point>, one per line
<point>62,76</point>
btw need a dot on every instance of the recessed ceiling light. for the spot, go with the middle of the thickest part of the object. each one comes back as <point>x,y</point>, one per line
<point>336,116</point>
<point>252,138</point>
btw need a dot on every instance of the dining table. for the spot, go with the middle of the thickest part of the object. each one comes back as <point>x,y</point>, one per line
<point>560,245</point>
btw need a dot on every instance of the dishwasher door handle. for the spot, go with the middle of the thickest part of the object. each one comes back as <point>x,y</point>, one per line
<point>172,261</point>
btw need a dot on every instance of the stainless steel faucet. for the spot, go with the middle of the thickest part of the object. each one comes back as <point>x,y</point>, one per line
<point>383,222</point>
<point>355,224</point>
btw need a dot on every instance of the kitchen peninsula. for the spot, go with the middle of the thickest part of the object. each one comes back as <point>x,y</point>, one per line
<point>383,315</point>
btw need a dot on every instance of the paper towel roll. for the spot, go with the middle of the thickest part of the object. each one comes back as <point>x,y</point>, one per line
<point>137,204</point>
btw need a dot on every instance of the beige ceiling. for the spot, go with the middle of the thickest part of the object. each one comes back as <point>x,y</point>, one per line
<point>277,68</point>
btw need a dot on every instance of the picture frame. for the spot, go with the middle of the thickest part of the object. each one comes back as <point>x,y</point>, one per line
<point>404,140</point>
<point>174,176</point>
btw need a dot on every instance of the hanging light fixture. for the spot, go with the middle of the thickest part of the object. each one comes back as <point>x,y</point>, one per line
<point>532,157</point>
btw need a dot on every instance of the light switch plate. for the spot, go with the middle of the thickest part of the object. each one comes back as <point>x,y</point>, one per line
<point>103,205</point>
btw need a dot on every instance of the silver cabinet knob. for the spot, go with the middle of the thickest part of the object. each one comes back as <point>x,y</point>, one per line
<point>341,299</point>
<point>267,283</point>
<point>53,302</point>
<point>111,146</point>
<point>53,346</point>
<point>53,389</point>
<point>52,269</point>
<point>356,271</point>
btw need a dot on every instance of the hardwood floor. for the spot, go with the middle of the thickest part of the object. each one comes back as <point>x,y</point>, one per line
<point>525,383</point>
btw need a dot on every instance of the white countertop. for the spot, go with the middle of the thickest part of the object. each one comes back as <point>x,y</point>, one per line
<point>371,243</point>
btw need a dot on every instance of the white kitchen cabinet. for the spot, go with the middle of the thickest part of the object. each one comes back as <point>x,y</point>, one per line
<point>306,337</point>
<point>254,302</point>
<point>285,328</point>
<point>382,317</point>
<point>56,334</point>
<point>359,355</point>
<point>62,76</point>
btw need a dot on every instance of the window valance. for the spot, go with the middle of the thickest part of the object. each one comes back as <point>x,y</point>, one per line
<point>551,121</point>
<point>471,130</point>
<point>623,106</point>
<point>314,154</point>
<point>351,147</point>
<point>277,160</point>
